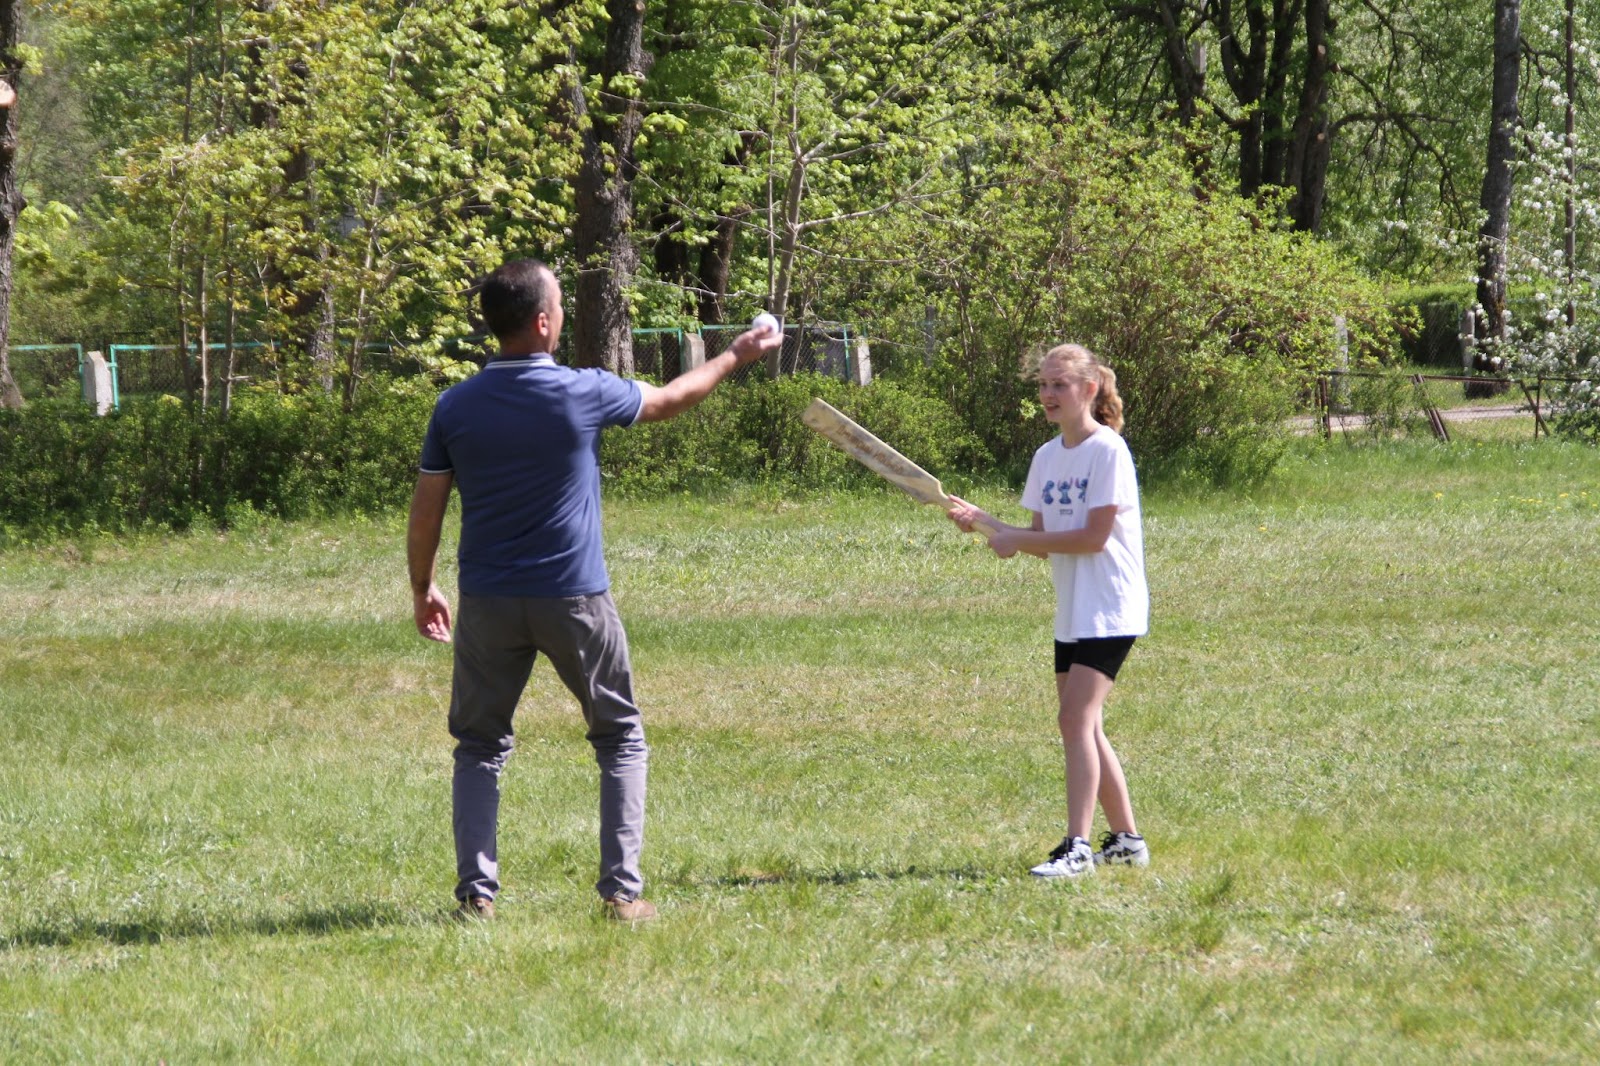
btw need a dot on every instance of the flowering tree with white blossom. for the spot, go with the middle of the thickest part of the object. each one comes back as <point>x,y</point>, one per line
<point>1554,253</point>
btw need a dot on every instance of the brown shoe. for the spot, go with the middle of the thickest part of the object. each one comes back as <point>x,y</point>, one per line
<point>629,910</point>
<point>476,909</point>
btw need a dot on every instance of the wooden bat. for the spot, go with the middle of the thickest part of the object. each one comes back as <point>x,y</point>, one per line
<point>877,456</point>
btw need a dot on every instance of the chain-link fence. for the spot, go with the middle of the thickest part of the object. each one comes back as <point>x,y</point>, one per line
<point>823,349</point>
<point>150,370</point>
<point>51,372</point>
<point>1435,339</point>
<point>658,353</point>
<point>145,370</point>
<point>409,362</point>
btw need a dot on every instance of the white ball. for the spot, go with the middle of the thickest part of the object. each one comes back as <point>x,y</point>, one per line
<point>767,323</point>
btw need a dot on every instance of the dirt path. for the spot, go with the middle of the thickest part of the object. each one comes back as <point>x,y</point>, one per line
<point>1343,423</point>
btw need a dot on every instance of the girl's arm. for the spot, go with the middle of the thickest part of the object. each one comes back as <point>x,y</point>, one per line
<point>1009,540</point>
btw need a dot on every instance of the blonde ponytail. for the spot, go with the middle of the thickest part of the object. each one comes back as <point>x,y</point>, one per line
<point>1080,364</point>
<point>1108,402</point>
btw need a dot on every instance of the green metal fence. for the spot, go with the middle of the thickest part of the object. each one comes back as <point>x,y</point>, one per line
<point>56,370</point>
<point>168,369</point>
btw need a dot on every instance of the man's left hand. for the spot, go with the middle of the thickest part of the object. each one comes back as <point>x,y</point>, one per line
<point>432,612</point>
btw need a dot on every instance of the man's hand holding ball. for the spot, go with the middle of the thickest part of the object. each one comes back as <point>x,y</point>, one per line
<point>764,335</point>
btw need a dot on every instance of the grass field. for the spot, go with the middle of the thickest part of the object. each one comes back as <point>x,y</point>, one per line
<point>1363,739</point>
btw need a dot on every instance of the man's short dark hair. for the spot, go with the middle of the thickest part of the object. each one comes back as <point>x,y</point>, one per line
<point>514,294</point>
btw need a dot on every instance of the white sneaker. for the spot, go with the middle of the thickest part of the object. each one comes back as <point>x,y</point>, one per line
<point>1071,858</point>
<point>1122,849</point>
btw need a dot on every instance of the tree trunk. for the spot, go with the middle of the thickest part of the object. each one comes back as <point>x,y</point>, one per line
<point>788,244</point>
<point>602,327</point>
<point>716,256</point>
<point>320,347</point>
<point>1496,200</point>
<point>307,301</point>
<point>1188,75</point>
<point>203,349</point>
<point>1245,69</point>
<point>1308,156</point>
<point>10,194</point>
<point>671,253</point>
<point>230,343</point>
<point>1282,120</point>
<point>716,265</point>
<point>1276,94</point>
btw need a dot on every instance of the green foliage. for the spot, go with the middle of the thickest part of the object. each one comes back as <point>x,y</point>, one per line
<point>1213,317</point>
<point>162,464</point>
<point>794,120</point>
<point>1389,403</point>
<point>752,433</point>
<point>317,175</point>
<point>1404,159</point>
<point>1430,322</point>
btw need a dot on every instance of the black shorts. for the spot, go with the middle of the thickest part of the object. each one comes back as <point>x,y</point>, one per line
<point>1105,654</point>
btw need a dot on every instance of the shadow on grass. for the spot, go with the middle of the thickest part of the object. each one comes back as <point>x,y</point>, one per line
<point>834,878</point>
<point>78,932</point>
<point>155,930</point>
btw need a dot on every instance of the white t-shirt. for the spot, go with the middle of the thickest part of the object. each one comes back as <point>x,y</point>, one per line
<point>1103,593</point>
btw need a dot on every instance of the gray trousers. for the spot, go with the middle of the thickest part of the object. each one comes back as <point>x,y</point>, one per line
<point>497,640</point>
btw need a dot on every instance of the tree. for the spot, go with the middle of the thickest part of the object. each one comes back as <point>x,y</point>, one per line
<point>1551,276</point>
<point>1277,66</point>
<point>1490,321</point>
<point>1213,313</point>
<point>858,127</point>
<point>323,177</point>
<point>1361,109</point>
<point>698,157</point>
<point>773,128</point>
<point>10,192</point>
<point>607,112</point>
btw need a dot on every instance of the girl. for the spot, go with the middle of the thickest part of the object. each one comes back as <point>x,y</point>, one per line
<point>1085,502</point>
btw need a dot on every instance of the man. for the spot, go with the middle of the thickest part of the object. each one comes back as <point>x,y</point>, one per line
<point>521,440</point>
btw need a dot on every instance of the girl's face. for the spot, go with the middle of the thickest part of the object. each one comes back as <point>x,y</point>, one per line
<point>1066,400</point>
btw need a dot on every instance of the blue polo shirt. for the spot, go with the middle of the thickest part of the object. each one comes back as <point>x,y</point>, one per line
<point>522,438</point>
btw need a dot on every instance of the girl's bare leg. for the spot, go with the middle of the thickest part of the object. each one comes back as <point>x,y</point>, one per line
<point>1082,693</point>
<point>1113,786</point>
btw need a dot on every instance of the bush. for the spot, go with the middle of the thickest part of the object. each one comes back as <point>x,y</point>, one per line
<point>1213,314</point>
<point>752,432</point>
<point>1430,320</point>
<point>162,463</point>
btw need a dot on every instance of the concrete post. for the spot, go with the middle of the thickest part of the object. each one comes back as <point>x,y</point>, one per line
<point>693,353</point>
<point>1341,356</point>
<point>861,363</point>
<point>97,382</point>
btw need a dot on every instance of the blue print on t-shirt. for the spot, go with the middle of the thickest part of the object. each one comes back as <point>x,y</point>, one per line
<point>1078,485</point>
